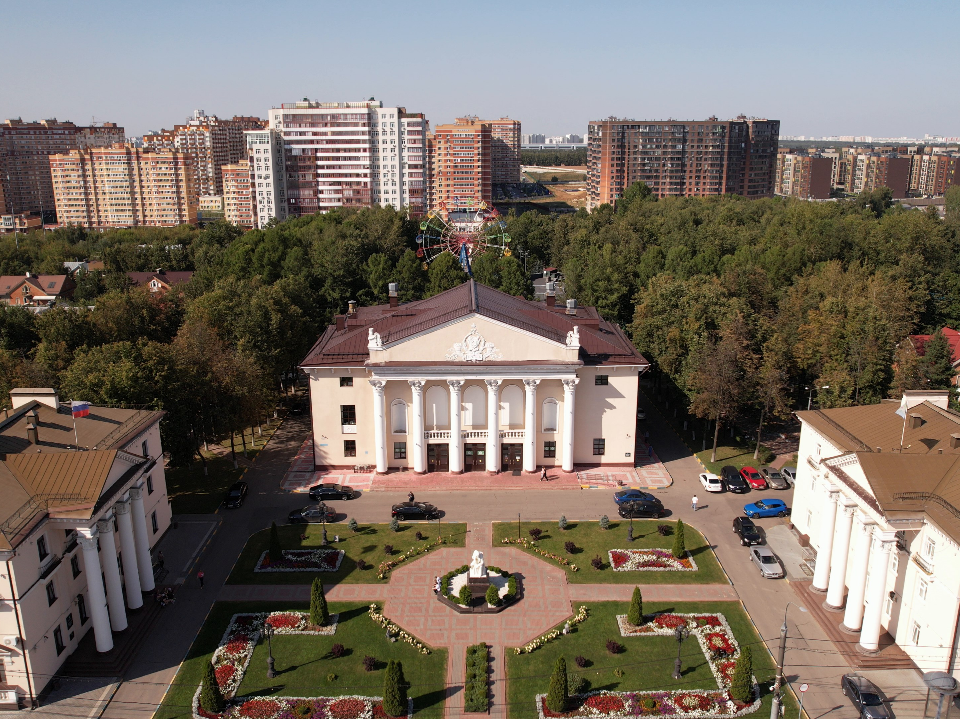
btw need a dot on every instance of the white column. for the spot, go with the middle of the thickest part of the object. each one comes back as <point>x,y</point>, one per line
<point>131,575</point>
<point>140,539</point>
<point>96,597</point>
<point>838,558</point>
<point>493,425</point>
<point>419,465</point>
<point>879,563</point>
<point>530,426</point>
<point>379,425</point>
<point>569,394</point>
<point>863,537</point>
<point>456,435</point>
<point>828,519</point>
<point>111,575</point>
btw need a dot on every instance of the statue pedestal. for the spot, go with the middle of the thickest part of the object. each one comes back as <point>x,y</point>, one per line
<point>478,586</point>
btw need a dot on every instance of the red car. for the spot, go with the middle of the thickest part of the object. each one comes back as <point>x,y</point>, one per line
<point>753,478</point>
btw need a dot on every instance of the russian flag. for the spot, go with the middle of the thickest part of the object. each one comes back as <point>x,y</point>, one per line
<point>80,408</point>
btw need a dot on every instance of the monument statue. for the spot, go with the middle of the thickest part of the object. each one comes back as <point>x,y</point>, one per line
<point>478,568</point>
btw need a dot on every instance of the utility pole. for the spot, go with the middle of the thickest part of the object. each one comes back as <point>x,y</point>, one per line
<point>775,705</point>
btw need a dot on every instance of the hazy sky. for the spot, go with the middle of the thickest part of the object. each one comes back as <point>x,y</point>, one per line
<point>866,68</point>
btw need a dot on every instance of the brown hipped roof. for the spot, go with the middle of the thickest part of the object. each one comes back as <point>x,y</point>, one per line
<point>600,342</point>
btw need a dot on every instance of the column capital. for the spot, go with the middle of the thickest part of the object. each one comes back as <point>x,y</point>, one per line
<point>865,522</point>
<point>493,383</point>
<point>87,543</point>
<point>532,383</point>
<point>831,490</point>
<point>378,386</point>
<point>455,385</point>
<point>884,540</point>
<point>122,507</point>
<point>847,507</point>
<point>570,383</point>
<point>416,385</point>
<point>136,492</point>
<point>105,526</point>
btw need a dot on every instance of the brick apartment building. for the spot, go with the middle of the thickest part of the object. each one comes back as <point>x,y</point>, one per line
<point>123,186</point>
<point>681,158</point>
<point>803,176</point>
<point>239,196</point>
<point>865,172</point>
<point>460,163</point>
<point>932,173</point>
<point>25,185</point>
<point>504,151</point>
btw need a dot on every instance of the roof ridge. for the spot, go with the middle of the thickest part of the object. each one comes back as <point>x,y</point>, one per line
<point>843,430</point>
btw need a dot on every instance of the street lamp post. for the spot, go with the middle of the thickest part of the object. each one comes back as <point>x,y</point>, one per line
<point>681,633</point>
<point>268,631</point>
<point>778,683</point>
<point>810,396</point>
<point>323,521</point>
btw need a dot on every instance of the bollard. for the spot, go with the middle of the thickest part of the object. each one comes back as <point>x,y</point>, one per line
<point>684,424</point>
<point>694,435</point>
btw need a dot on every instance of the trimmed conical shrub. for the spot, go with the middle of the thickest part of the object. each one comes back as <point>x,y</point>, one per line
<point>275,551</point>
<point>211,699</point>
<point>635,613</point>
<point>493,595</point>
<point>679,546</point>
<point>558,694</point>
<point>741,687</point>
<point>319,614</point>
<point>394,690</point>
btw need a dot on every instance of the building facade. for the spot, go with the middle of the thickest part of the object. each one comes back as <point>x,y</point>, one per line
<point>25,185</point>
<point>123,186</point>
<point>804,176</point>
<point>31,290</point>
<point>681,158</point>
<point>239,195</point>
<point>504,151</point>
<point>460,163</point>
<point>473,379</point>
<point>876,499</point>
<point>77,528</point>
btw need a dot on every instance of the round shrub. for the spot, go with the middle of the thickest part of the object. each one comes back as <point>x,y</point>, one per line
<point>388,549</point>
<point>581,661</point>
<point>337,650</point>
<point>614,648</point>
<point>465,595</point>
<point>570,546</point>
<point>369,663</point>
<point>535,533</point>
<point>493,596</point>
<point>604,523</point>
<point>577,684</point>
<point>563,522</point>
<point>597,563</point>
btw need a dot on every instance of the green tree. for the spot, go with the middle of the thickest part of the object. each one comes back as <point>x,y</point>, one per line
<point>679,544</point>
<point>558,694</point>
<point>635,613</point>
<point>394,690</point>
<point>411,277</point>
<point>319,614</point>
<point>275,550</point>
<point>445,273</point>
<point>211,698</point>
<point>773,384</point>
<point>936,365</point>
<point>513,280</point>
<point>741,686</point>
<point>493,595</point>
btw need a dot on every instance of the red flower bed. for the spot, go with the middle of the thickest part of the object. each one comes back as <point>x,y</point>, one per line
<point>618,558</point>
<point>284,620</point>
<point>378,711</point>
<point>605,703</point>
<point>693,701</point>
<point>719,641</point>
<point>670,621</point>
<point>547,712</point>
<point>236,646</point>
<point>347,708</point>
<point>259,709</point>
<point>708,620</point>
<point>725,669</point>
<point>224,673</point>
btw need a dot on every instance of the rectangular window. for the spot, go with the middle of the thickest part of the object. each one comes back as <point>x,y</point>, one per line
<point>58,639</point>
<point>929,548</point>
<point>69,620</point>
<point>82,609</point>
<point>350,448</point>
<point>149,484</point>
<point>346,382</point>
<point>348,414</point>
<point>888,605</point>
<point>51,594</point>
<point>153,522</point>
<point>145,448</point>
<point>550,448</point>
<point>42,546</point>
<point>599,446</point>
<point>922,588</point>
<point>915,633</point>
<point>75,565</point>
<point>399,451</point>
<point>601,380</point>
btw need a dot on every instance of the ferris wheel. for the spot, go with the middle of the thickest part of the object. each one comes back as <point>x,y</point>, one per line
<point>465,230</point>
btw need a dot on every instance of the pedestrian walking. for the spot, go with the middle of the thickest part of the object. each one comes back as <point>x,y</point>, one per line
<point>200,578</point>
<point>693,503</point>
<point>160,560</point>
<point>410,497</point>
<point>543,474</point>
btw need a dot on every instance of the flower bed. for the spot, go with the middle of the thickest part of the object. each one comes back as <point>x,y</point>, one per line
<point>318,560</point>
<point>649,559</point>
<point>388,565</point>
<point>394,629</point>
<point>531,545</point>
<point>348,706</point>
<point>553,634</point>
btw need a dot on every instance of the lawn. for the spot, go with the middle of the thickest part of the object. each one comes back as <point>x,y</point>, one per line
<point>303,664</point>
<point>367,544</point>
<point>646,663</point>
<point>591,541</point>
<point>738,456</point>
<point>191,491</point>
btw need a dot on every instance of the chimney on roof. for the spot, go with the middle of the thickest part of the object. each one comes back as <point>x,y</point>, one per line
<point>551,294</point>
<point>955,441</point>
<point>393,295</point>
<point>341,322</point>
<point>351,307</point>
<point>915,421</point>
<point>159,271</point>
<point>571,307</point>
<point>32,436</point>
<point>29,275</point>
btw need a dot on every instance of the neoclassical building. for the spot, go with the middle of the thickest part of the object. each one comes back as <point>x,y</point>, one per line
<point>473,379</point>
<point>77,526</point>
<point>878,498</point>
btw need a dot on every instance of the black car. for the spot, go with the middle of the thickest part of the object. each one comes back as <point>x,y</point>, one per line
<point>732,480</point>
<point>313,514</point>
<point>748,533</point>
<point>415,511</point>
<point>331,491</point>
<point>641,508</point>
<point>236,495</point>
<point>631,495</point>
<point>865,696</point>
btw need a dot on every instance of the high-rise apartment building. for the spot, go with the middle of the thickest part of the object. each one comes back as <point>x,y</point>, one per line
<point>460,163</point>
<point>867,172</point>
<point>239,196</point>
<point>25,185</point>
<point>210,142</point>
<point>932,173</point>
<point>681,158</point>
<point>803,176</point>
<point>504,151</point>
<point>123,186</point>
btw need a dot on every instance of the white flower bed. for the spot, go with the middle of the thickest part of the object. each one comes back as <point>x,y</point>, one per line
<point>324,707</point>
<point>394,629</point>
<point>553,634</point>
<point>650,560</point>
<point>319,560</point>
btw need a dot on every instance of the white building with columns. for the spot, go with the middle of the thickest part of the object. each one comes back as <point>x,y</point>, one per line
<point>472,380</point>
<point>878,498</point>
<point>80,511</point>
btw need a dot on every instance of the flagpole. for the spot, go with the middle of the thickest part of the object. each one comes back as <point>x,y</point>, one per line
<point>75,436</point>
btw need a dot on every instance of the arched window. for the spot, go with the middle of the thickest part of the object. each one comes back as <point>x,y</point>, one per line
<point>549,415</point>
<point>511,406</point>
<point>474,406</point>
<point>398,417</point>
<point>437,407</point>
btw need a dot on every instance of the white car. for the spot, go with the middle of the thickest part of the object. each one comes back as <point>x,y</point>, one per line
<point>711,483</point>
<point>790,473</point>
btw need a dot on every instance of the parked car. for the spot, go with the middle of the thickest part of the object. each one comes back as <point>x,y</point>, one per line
<point>631,495</point>
<point>768,507</point>
<point>313,514</point>
<point>711,483</point>
<point>296,410</point>
<point>774,478</point>
<point>748,533</point>
<point>236,495</point>
<point>641,414</point>
<point>331,491</point>
<point>641,508</point>
<point>790,473</point>
<point>414,511</point>
<point>753,478</point>
<point>766,562</point>
<point>732,480</point>
<point>865,696</point>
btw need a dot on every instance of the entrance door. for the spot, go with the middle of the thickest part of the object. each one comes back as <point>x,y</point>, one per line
<point>474,457</point>
<point>511,456</point>
<point>438,457</point>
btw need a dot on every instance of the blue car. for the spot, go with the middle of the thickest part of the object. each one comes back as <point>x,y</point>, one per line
<point>630,495</point>
<point>768,507</point>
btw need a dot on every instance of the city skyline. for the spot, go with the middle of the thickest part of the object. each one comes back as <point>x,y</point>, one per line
<point>613,61</point>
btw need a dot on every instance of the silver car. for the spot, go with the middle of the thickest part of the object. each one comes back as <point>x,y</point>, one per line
<point>766,562</point>
<point>790,473</point>
<point>774,478</point>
